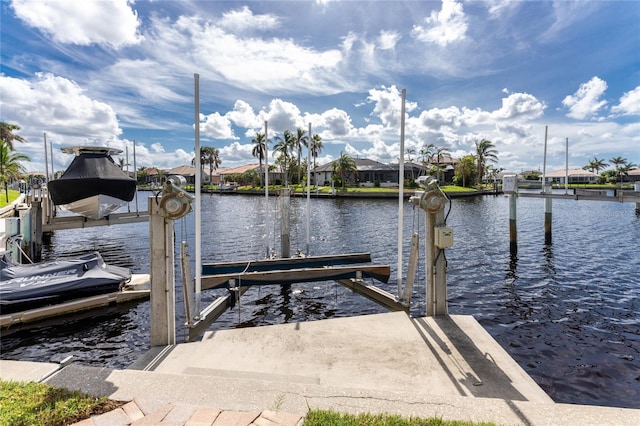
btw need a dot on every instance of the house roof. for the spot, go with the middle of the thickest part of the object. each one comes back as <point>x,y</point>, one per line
<point>239,169</point>
<point>571,173</point>
<point>182,170</point>
<point>362,164</point>
<point>634,172</point>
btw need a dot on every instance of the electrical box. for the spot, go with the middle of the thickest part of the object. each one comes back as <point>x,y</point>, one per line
<point>510,184</point>
<point>443,237</point>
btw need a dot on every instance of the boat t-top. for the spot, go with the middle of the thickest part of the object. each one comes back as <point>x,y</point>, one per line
<point>93,185</point>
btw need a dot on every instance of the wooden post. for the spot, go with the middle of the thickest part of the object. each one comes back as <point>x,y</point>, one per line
<point>547,214</point>
<point>513,227</point>
<point>637,189</point>
<point>36,231</point>
<point>436,274</point>
<point>440,277</point>
<point>161,236</point>
<point>285,234</point>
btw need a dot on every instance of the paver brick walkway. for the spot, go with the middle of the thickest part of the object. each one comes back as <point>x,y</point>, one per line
<point>141,412</point>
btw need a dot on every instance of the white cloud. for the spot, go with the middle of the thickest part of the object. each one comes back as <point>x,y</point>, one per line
<point>629,103</point>
<point>216,126</point>
<point>58,106</point>
<point>242,115</point>
<point>112,23</point>
<point>281,116</point>
<point>388,39</point>
<point>444,27</point>
<point>387,105</point>
<point>243,20</point>
<point>519,106</point>
<point>586,102</point>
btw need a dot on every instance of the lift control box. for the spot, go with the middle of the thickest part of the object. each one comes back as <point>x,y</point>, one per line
<point>510,184</point>
<point>443,237</point>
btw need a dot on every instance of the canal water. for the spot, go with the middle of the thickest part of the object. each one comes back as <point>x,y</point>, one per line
<point>568,313</point>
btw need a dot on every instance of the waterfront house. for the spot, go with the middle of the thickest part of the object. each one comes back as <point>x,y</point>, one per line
<point>576,176</point>
<point>369,173</point>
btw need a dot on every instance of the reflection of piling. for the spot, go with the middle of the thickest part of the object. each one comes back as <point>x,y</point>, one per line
<point>285,234</point>
<point>547,214</point>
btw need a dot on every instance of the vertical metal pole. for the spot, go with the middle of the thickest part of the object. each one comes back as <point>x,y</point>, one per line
<point>547,214</point>
<point>637,189</point>
<point>266,187</point>
<point>46,161</point>
<point>135,173</point>
<point>401,192</point>
<point>544,161</point>
<point>513,228</point>
<point>198,214</point>
<point>566,167</point>
<point>308,189</point>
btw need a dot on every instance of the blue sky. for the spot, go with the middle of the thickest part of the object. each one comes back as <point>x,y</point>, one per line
<point>115,72</point>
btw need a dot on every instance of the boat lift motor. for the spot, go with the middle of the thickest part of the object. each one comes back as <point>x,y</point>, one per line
<point>175,202</point>
<point>438,237</point>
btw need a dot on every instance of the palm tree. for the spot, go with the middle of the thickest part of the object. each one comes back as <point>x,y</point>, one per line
<point>260,148</point>
<point>6,134</point>
<point>344,166</point>
<point>316,148</point>
<point>10,167</point>
<point>624,170</point>
<point>210,156</point>
<point>596,165</point>
<point>464,169</point>
<point>300,140</point>
<point>426,152</point>
<point>285,143</point>
<point>618,162</point>
<point>439,152</point>
<point>484,152</point>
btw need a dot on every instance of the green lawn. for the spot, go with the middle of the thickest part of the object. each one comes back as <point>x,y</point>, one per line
<point>38,404</point>
<point>13,195</point>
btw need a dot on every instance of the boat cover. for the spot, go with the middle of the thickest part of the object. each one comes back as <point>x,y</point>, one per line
<point>31,286</point>
<point>91,173</point>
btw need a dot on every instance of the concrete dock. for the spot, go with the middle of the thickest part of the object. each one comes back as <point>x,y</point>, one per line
<point>447,367</point>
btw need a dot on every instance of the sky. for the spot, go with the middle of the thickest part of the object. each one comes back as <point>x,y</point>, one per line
<point>121,72</point>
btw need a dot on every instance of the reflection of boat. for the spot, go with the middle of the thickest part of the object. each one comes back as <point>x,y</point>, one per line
<point>228,187</point>
<point>93,185</point>
<point>30,286</point>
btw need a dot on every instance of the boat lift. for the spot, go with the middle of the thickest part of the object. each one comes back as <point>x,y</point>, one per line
<point>350,270</point>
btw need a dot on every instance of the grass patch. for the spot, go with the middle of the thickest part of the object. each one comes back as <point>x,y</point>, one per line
<point>332,418</point>
<point>13,195</point>
<point>36,404</point>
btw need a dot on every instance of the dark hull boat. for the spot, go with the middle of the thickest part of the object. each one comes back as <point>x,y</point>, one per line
<point>93,185</point>
<point>25,287</point>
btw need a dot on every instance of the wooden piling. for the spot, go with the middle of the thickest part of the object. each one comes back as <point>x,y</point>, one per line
<point>547,214</point>
<point>161,237</point>
<point>285,233</point>
<point>513,228</point>
<point>637,190</point>
<point>436,274</point>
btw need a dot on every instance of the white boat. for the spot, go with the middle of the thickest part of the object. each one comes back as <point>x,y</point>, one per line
<point>93,185</point>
